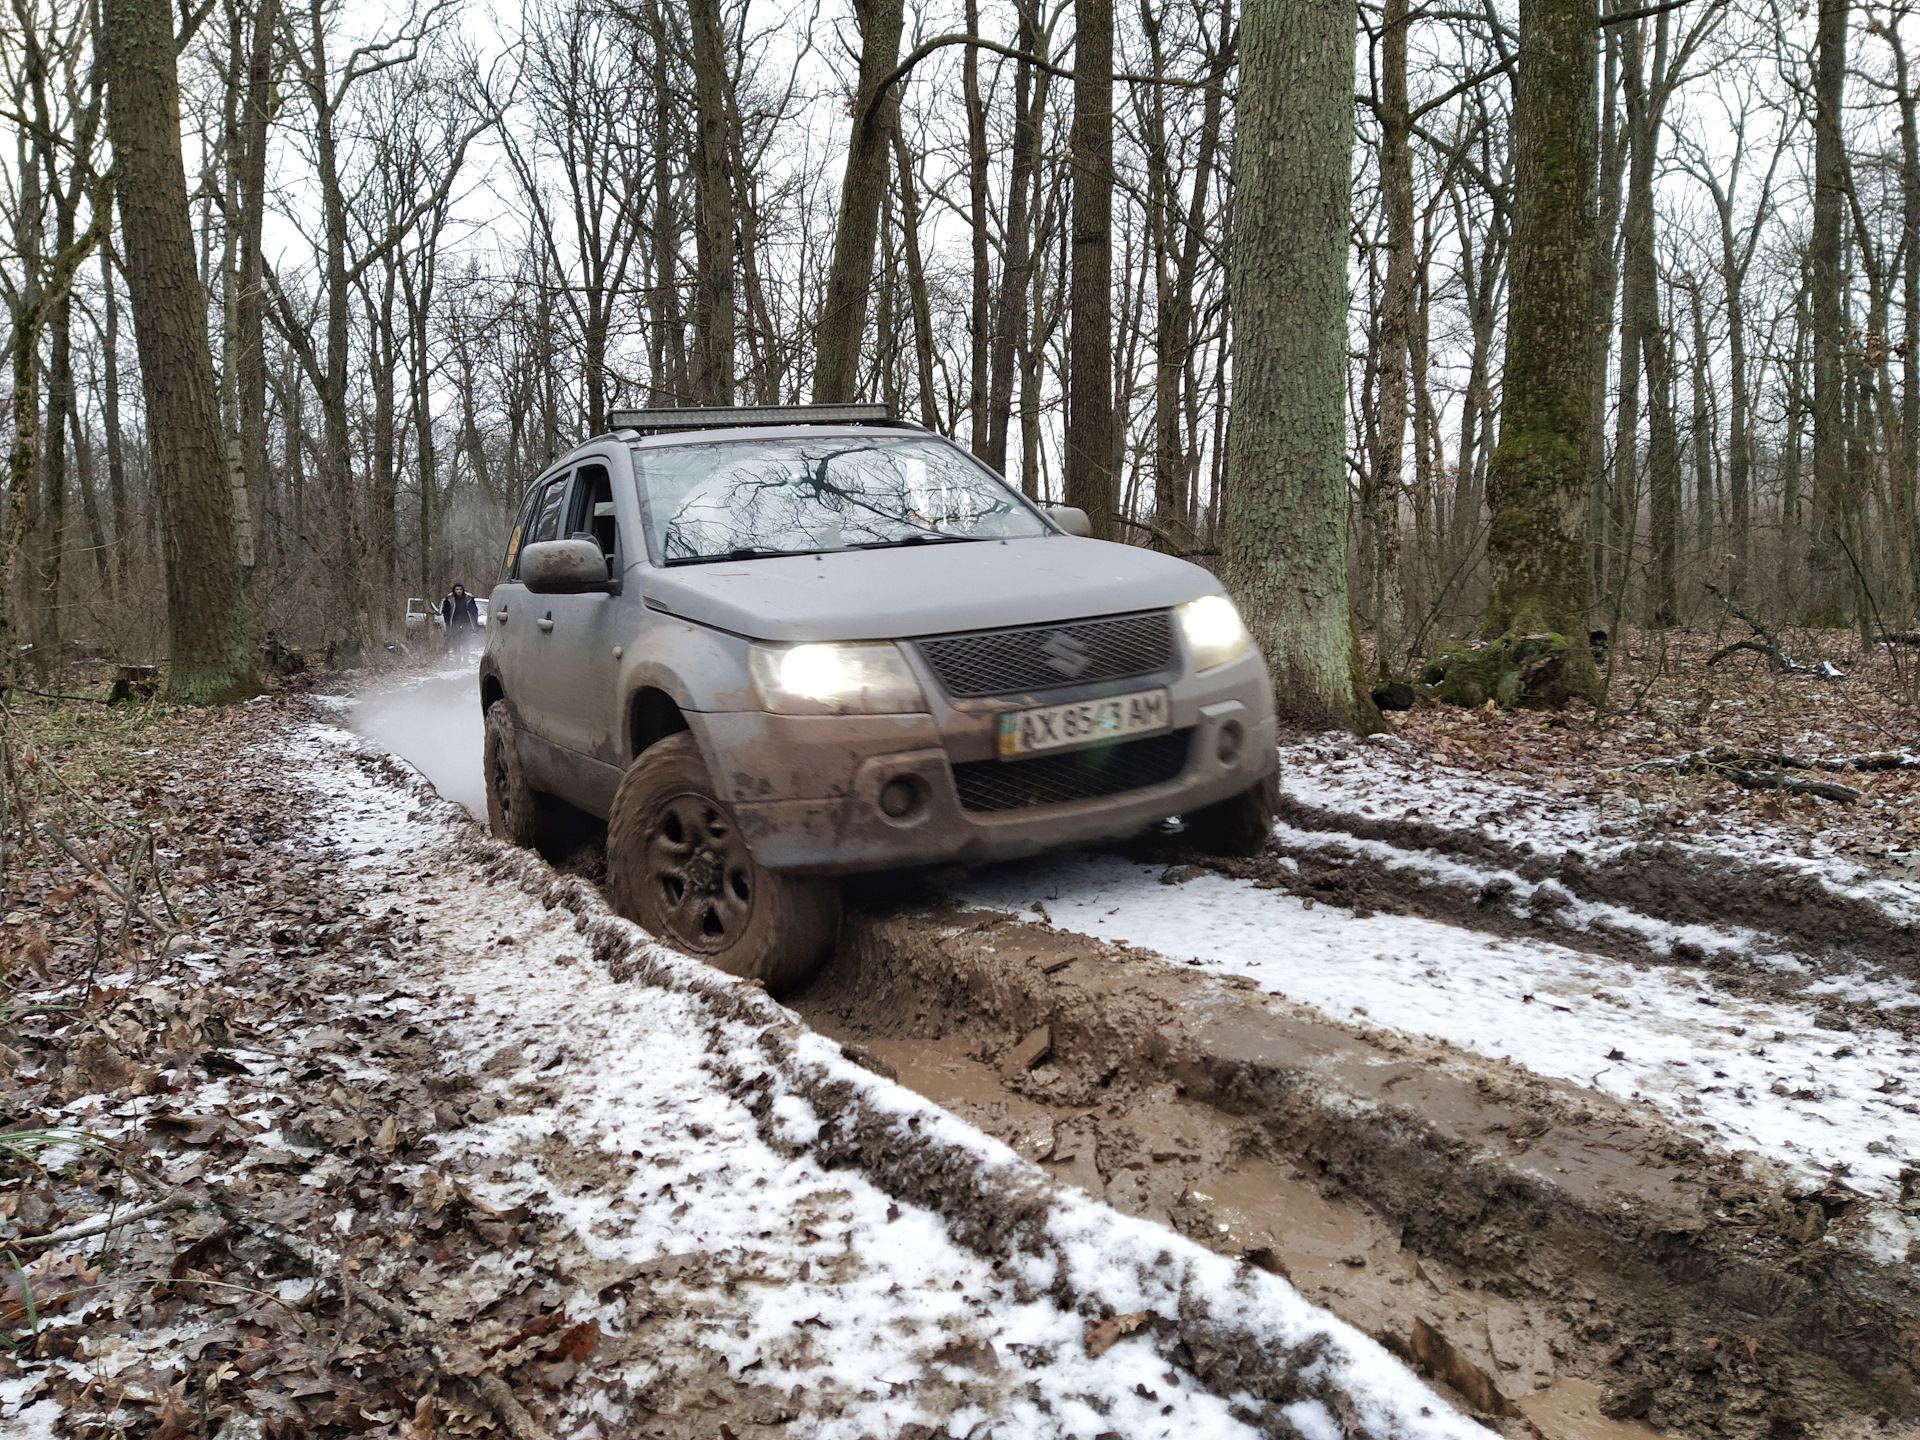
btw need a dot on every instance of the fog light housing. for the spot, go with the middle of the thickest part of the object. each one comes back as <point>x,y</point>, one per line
<point>899,797</point>
<point>1227,744</point>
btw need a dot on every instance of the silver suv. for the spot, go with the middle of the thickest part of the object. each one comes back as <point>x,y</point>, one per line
<point>772,646</point>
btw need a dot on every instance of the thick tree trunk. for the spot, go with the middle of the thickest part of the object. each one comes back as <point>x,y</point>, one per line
<point>1091,476</point>
<point>843,321</point>
<point>1537,479</point>
<point>1830,599</point>
<point>713,225</point>
<point>1283,516</point>
<point>206,612</point>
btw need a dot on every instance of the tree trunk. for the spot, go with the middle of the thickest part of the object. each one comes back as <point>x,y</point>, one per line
<point>206,611</point>
<point>1396,310</point>
<point>981,325</point>
<point>916,284</point>
<point>1537,478</point>
<point>1909,472</point>
<point>1828,572</point>
<point>1283,516</point>
<point>1701,439</point>
<point>1091,478</point>
<point>250,299</point>
<point>1017,269</point>
<point>1604,565</point>
<point>713,225</point>
<point>1663,474</point>
<point>110,417</point>
<point>843,321</point>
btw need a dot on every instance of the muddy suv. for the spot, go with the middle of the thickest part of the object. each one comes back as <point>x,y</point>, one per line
<point>775,646</point>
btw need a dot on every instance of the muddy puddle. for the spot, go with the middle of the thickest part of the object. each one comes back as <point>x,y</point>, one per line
<point>1169,1159</point>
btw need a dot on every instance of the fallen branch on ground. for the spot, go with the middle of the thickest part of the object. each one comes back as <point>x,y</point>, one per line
<point>1765,770</point>
<point>1778,780</point>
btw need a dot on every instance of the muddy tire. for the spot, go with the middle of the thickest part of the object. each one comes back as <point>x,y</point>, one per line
<point>678,866</point>
<point>515,810</point>
<point>1240,826</point>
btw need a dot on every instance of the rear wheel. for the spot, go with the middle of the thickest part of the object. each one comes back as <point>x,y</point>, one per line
<point>678,866</point>
<point>1240,825</point>
<point>515,810</point>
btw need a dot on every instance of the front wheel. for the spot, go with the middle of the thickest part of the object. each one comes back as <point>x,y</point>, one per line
<point>1240,825</point>
<point>678,866</point>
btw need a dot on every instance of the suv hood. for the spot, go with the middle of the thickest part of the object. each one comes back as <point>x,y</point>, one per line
<point>924,589</point>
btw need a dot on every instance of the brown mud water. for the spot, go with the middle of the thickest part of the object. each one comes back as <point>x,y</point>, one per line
<point>1557,1263</point>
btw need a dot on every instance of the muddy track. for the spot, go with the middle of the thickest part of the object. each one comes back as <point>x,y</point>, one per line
<point>1681,884</point>
<point>1496,1229</point>
<point>1325,873</point>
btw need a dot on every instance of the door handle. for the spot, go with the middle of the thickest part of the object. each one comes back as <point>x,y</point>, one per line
<point>546,624</point>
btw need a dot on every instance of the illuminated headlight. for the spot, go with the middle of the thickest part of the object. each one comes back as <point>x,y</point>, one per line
<point>1213,631</point>
<point>856,679</point>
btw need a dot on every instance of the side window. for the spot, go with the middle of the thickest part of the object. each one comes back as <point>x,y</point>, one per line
<point>543,518</point>
<point>591,514</point>
<point>525,518</point>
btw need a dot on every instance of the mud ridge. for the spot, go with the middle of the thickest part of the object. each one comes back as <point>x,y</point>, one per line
<point>1678,883</point>
<point>1724,1297</point>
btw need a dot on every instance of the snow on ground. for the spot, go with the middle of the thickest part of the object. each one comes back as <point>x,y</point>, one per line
<point>814,1280</point>
<point>1384,779</point>
<point>1746,1074</point>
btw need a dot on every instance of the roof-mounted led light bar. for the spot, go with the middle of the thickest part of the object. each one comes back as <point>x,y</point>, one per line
<point>728,417</point>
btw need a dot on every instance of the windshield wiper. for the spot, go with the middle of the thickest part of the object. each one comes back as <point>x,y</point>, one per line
<point>923,538</point>
<point>742,552</point>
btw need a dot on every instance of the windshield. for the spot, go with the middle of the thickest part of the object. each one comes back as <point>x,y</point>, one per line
<point>736,499</point>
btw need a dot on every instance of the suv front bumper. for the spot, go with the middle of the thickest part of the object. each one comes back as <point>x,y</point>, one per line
<point>808,789</point>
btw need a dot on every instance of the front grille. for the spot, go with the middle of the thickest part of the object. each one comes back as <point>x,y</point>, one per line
<point>1046,657</point>
<point>1077,775</point>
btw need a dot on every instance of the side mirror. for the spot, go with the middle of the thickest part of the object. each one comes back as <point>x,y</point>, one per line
<point>1071,519</point>
<point>564,567</point>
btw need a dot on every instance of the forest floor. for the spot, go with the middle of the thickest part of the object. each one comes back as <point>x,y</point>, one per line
<point>1578,1082</point>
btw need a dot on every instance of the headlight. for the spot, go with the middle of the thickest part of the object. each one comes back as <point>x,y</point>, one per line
<point>863,679</point>
<point>1213,631</point>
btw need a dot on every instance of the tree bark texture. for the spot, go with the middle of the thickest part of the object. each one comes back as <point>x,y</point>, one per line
<point>713,231</point>
<point>1537,478</point>
<point>843,321</point>
<point>1829,598</point>
<point>1283,514</point>
<point>1396,311</point>
<point>206,611</point>
<point>1092,481</point>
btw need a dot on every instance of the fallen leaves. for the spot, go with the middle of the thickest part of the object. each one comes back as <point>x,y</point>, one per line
<point>1103,1335</point>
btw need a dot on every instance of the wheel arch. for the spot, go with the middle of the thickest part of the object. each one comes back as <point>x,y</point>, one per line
<point>652,715</point>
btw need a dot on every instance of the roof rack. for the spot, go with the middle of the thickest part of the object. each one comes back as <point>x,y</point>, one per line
<point>727,417</point>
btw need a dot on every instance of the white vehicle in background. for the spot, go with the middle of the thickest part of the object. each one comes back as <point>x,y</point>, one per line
<point>420,619</point>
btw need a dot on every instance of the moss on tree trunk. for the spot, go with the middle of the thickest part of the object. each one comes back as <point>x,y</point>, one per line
<point>1537,476</point>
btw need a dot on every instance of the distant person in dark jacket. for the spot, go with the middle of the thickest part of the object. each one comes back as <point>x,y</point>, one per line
<point>461,617</point>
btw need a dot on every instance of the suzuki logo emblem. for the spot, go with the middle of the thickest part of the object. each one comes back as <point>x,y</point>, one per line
<point>1066,654</point>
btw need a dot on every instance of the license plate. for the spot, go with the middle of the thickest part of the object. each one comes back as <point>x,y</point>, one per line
<point>1112,717</point>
